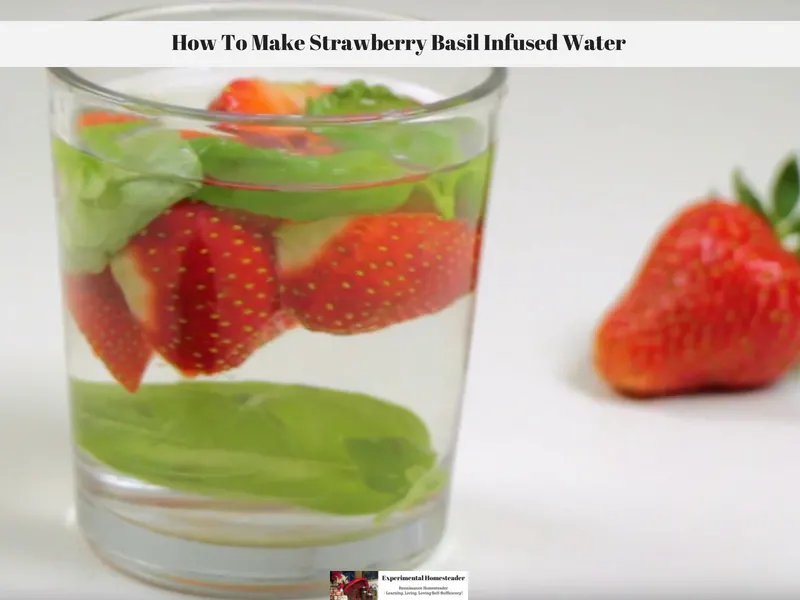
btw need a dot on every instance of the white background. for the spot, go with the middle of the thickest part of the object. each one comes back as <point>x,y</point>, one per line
<point>560,487</point>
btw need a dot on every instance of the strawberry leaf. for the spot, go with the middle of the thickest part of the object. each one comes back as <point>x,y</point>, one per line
<point>331,451</point>
<point>786,190</point>
<point>745,195</point>
<point>357,97</point>
<point>117,179</point>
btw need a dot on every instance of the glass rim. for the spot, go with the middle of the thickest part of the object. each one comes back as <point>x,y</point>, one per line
<point>494,82</point>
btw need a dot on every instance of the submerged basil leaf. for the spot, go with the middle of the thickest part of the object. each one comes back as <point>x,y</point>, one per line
<point>316,448</point>
<point>459,192</point>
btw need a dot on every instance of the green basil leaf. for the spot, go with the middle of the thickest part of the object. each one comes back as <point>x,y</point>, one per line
<point>291,186</point>
<point>449,151</point>
<point>459,192</point>
<point>384,463</point>
<point>472,189</point>
<point>426,484</point>
<point>419,145</point>
<point>321,449</point>
<point>357,97</point>
<point>120,178</point>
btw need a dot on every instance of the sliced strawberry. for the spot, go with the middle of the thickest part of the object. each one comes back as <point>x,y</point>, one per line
<point>281,322</point>
<point>190,134</point>
<point>203,287</point>
<point>302,92</point>
<point>289,139</point>
<point>99,117</point>
<point>356,275</point>
<point>98,307</point>
<point>260,225</point>
<point>260,97</point>
<point>254,96</point>
<point>238,99</point>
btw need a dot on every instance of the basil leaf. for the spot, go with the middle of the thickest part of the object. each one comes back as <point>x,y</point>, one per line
<point>472,189</point>
<point>122,177</point>
<point>450,153</point>
<point>433,143</point>
<point>420,145</point>
<point>357,97</point>
<point>426,484</point>
<point>290,186</point>
<point>383,463</point>
<point>321,449</point>
<point>459,192</point>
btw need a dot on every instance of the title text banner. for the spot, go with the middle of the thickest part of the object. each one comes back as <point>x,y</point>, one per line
<point>399,44</point>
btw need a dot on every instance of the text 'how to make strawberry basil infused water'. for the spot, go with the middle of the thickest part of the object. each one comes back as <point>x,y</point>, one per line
<point>268,318</point>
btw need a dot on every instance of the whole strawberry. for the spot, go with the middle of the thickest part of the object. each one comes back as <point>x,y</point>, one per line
<point>356,275</point>
<point>715,305</point>
<point>202,285</point>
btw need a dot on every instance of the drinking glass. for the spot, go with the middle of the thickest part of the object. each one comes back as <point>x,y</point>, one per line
<point>268,316</point>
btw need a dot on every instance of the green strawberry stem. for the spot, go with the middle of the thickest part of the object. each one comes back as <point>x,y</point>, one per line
<point>784,230</point>
<point>779,209</point>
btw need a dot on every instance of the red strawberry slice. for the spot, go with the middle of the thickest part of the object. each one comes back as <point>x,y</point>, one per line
<point>263,225</point>
<point>191,134</point>
<point>255,96</point>
<point>281,322</point>
<point>346,276</point>
<point>99,117</point>
<point>289,139</point>
<point>203,287</point>
<point>98,307</point>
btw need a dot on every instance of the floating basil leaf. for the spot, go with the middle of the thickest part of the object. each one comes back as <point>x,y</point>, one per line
<point>299,187</point>
<point>122,177</point>
<point>358,97</point>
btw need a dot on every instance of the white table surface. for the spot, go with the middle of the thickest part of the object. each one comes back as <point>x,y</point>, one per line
<point>559,487</point>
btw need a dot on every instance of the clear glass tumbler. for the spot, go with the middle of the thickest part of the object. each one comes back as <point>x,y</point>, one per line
<point>268,282</point>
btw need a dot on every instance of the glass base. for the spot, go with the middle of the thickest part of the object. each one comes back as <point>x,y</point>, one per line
<point>233,550</point>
